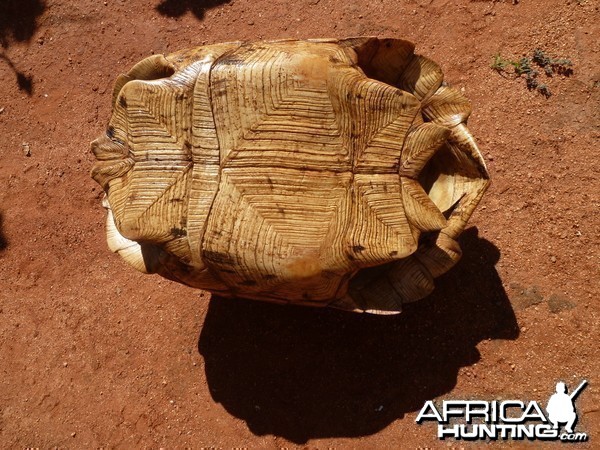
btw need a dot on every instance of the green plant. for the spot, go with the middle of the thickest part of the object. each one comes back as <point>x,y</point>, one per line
<point>499,63</point>
<point>561,66</point>
<point>523,68</point>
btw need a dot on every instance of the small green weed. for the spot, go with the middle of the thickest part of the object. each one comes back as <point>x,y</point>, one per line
<point>562,66</point>
<point>499,63</point>
<point>523,69</point>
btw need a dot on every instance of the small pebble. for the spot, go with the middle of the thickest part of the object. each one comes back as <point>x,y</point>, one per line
<point>558,303</point>
<point>26,149</point>
<point>553,258</point>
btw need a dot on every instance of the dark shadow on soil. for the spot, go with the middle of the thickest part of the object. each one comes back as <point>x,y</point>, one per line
<point>304,373</point>
<point>18,23</point>
<point>3,241</point>
<point>177,8</point>
<point>18,20</point>
<point>25,82</point>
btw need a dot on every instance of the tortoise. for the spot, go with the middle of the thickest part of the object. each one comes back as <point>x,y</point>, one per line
<point>324,172</point>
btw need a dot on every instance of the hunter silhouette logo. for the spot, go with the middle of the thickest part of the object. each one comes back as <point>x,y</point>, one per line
<point>561,407</point>
<point>507,419</point>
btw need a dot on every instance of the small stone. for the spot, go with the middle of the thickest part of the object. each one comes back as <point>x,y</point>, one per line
<point>558,303</point>
<point>525,297</point>
<point>73,434</point>
<point>65,364</point>
<point>553,258</point>
<point>26,149</point>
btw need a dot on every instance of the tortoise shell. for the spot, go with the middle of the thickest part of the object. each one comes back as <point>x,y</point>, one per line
<point>320,172</point>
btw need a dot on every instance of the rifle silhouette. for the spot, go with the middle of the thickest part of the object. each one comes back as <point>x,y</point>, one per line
<point>576,392</point>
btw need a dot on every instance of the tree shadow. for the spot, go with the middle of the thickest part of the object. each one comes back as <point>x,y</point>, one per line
<point>18,23</point>
<point>3,241</point>
<point>177,8</point>
<point>18,20</point>
<point>303,373</point>
<point>25,82</point>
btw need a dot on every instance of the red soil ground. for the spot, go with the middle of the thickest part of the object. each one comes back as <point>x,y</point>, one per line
<point>94,354</point>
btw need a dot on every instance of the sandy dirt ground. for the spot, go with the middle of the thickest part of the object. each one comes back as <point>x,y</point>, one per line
<point>94,354</point>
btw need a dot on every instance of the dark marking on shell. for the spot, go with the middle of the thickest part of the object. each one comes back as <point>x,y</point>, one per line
<point>217,257</point>
<point>178,232</point>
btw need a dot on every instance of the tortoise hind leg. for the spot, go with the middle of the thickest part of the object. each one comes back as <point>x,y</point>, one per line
<point>142,257</point>
<point>383,290</point>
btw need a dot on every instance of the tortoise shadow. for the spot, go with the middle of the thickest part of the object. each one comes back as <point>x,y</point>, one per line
<point>177,8</point>
<point>303,373</point>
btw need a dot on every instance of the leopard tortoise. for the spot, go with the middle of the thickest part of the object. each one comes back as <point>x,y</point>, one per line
<point>326,172</point>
